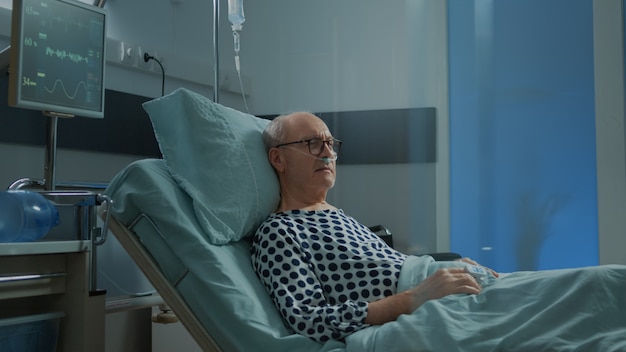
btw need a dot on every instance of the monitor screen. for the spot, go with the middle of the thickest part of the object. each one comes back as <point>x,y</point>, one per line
<point>58,57</point>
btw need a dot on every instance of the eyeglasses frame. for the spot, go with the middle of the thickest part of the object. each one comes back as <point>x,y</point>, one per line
<point>335,141</point>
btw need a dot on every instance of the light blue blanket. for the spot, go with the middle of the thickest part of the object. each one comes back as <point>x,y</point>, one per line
<point>558,310</point>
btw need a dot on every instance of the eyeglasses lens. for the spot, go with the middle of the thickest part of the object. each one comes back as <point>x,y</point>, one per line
<point>316,146</point>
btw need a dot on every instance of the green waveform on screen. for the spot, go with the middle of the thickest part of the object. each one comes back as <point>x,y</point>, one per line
<point>62,54</point>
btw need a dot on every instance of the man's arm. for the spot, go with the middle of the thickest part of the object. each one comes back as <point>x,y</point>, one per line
<point>442,283</point>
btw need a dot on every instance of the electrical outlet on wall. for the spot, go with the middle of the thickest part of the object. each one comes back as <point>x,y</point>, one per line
<point>141,62</point>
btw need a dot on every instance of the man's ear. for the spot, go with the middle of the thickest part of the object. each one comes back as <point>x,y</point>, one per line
<point>276,159</point>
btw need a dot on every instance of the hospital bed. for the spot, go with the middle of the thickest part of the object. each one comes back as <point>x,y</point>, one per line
<point>204,276</point>
<point>187,219</point>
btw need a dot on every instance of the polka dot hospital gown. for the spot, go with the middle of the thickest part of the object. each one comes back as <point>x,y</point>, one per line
<point>321,268</point>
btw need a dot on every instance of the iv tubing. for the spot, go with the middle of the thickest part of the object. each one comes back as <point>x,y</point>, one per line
<point>237,45</point>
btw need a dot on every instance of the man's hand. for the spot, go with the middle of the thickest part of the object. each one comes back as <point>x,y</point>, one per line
<point>440,284</point>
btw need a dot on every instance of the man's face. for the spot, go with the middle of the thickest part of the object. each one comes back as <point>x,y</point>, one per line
<point>303,169</point>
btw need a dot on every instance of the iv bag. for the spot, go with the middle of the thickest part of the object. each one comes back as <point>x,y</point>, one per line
<point>235,14</point>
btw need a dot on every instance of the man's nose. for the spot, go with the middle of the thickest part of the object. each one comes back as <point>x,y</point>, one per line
<point>327,149</point>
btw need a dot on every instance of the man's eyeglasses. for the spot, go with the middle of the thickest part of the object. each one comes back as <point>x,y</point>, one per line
<point>316,145</point>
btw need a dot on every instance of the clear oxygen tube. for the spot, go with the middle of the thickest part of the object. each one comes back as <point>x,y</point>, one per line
<point>237,18</point>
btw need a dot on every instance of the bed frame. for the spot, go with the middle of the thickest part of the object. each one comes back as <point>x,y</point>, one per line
<point>150,268</point>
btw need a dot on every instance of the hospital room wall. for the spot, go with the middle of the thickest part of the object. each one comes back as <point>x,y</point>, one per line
<point>324,62</point>
<point>294,60</point>
<point>610,82</point>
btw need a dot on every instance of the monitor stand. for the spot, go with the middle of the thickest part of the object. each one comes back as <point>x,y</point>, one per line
<point>51,149</point>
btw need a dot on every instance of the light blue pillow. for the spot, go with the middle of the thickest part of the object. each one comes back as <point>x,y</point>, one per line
<point>216,155</point>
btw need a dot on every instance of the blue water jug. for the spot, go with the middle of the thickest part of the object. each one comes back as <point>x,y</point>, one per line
<point>25,216</point>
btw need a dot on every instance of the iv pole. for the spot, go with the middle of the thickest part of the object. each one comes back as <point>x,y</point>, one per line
<point>216,64</point>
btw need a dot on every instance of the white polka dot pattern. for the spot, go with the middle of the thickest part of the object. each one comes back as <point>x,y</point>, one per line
<point>321,268</point>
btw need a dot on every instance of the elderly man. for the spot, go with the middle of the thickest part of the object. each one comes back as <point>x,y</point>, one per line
<point>328,274</point>
<point>330,277</point>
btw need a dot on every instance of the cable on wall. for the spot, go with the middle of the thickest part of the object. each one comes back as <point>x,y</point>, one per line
<point>147,57</point>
